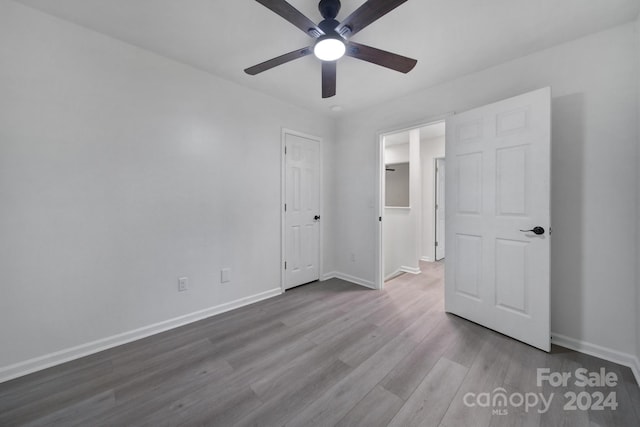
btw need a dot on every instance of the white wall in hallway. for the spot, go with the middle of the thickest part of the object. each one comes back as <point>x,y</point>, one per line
<point>401,226</point>
<point>397,153</point>
<point>430,149</point>
<point>594,193</point>
<point>121,171</point>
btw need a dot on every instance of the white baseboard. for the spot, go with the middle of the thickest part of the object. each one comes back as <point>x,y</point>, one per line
<point>348,278</point>
<point>614,356</point>
<point>426,258</point>
<point>39,363</point>
<point>401,270</point>
<point>410,270</point>
<point>394,274</point>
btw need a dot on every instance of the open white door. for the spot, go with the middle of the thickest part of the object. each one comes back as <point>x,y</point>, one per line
<point>498,184</point>
<point>302,210</point>
<point>440,208</point>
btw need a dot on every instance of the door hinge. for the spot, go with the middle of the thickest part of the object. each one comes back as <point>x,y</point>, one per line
<point>285,150</point>
<point>380,219</point>
<point>285,207</point>
<point>285,265</point>
<point>436,244</point>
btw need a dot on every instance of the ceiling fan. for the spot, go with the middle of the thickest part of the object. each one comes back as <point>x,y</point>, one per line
<point>333,38</point>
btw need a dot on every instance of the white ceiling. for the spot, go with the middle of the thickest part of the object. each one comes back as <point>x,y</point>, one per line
<point>449,38</point>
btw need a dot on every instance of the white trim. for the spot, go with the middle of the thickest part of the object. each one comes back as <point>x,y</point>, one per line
<point>401,270</point>
<point>601,352</point>
<point>43,362</point>
<point>394,274</point>
<point>435,210</point>
<point>283,198</point>
<point>410,270</point>
<point>426,259</point>
<point>349,278</point>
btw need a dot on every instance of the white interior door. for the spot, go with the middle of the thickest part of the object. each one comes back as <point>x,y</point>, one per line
<point>440,209</point>
<point>498,179</point>
<point>302,210</point>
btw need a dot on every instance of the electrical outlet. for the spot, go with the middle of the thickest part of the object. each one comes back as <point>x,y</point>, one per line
<point>225,275</point>
<point>183,284</point>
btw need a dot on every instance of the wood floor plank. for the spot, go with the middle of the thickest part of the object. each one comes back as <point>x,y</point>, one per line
<point>255,349</point>
<point>624,414</point>
<point>280,407</point>
<point>375,410</point>
<point>485,375</point>
<point>78,414</point>
<point>557,415</point>
<point>160,389</point>
<point>425,323</point>
<point>410,371</point>
<point>468,344</point>
<point>283,375</point>
<point>37,403</point>
<point>44,381</point>
<point>271,360</point>
<point>633,390</point>
<point>431,399</point>
<point>334,404</point>
<point>523,366</point>
<point>212,405</point>
<point>516,416</point>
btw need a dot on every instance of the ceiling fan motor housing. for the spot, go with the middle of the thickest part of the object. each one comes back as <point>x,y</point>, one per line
<point>328,26</point>
<point>329,9</point>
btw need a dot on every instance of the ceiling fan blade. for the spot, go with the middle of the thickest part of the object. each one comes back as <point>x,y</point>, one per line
<point>328,79</point>
<point>293,15</point>
<point>380,57</point>
<point>282,59</point>
<point>369,12</point>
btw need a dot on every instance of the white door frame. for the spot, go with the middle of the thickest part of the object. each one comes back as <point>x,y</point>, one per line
<point>379,186</point>
<point>283,198</point>
<point>435,203</point>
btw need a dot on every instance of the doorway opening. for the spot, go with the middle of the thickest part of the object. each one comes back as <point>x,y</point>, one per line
<point>498,221</point>
<point>409,218</point>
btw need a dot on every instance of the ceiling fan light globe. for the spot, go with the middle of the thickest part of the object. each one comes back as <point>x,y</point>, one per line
<point>329,49</point>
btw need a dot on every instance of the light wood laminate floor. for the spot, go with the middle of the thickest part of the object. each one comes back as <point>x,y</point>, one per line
<point>324,354</point>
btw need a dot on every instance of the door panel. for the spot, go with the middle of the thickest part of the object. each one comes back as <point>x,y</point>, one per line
<point>302,194</point>
<point>498,183</point>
